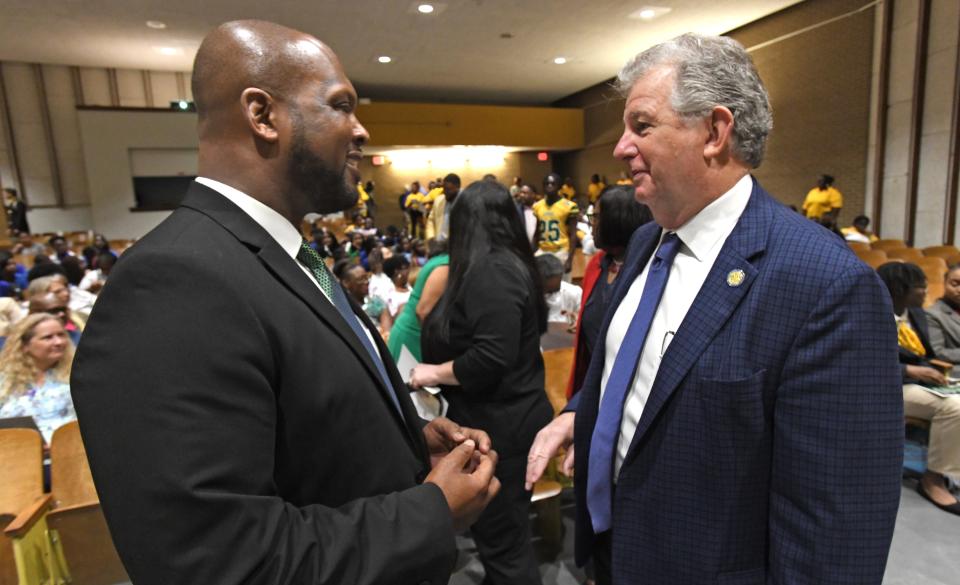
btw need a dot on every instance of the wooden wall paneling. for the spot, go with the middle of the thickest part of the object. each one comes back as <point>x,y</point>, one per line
<point>52,155</point>
<point>9,137</point>
<point>883,92</point>
<point>953,176</point>
<point>916,117</point>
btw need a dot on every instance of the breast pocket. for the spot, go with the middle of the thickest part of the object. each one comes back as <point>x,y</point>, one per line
<point>733,415</point>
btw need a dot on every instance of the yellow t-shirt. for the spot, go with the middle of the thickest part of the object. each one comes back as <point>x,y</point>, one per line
<point>416,202</point>
<point>819,202</point>
<point>364,197</point>
<point>433,194</point>
<point>594,190</point>
<point>553,223</point>
<point>567,192</point>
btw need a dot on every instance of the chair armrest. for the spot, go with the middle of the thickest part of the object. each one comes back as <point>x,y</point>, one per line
<point>28,517</point>
<point>941,365</point>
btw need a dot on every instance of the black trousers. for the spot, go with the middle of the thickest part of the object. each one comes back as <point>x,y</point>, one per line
<point>601,559</point>
<point>502,533</point>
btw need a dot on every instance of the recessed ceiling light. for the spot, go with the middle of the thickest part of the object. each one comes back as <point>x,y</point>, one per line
<point>156,24</point>
<point>168,50</point>
<point>425,8</point>
<point>560,60</point>
<point>384,59</point>
<point>649,12</point>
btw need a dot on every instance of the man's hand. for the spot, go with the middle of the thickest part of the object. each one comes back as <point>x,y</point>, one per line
<point>443,435</point>
<point>548,442</point>
<point>927,375</point>
<point>467,492</point>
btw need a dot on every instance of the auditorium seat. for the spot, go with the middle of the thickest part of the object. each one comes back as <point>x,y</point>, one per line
<point>934,267</point>
<point>945,252</point>
<point>872,258</point>
<point>77,517</point>
<point>906,254</point>
<point>579,266</point>
<point>858,245</point>
<point>934,292</point>
<point>556,365</point>
<point>888,244</point>
<point>26,549</point>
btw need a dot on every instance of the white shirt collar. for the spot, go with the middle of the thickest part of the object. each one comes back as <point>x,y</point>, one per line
<point>716,221</point>
<point>275,224</point>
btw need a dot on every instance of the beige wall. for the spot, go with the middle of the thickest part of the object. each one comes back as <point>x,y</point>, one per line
<point>941,72</point>
<point>819,85</point>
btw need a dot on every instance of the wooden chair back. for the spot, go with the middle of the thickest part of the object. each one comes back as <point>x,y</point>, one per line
<point>906,254</point>
<point>934,292</point>
<point>579,266</point>
<point>888,244</point>
<point>934,267</point>
<point>858,245</point>
<point>944,252</point>
<point>71,482</point>
<point>21,458</point>
<point>557,364</point>
<point>872,258</point>
<point>21,454</point>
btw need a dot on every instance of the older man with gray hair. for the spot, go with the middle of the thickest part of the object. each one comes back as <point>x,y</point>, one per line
<point>733,426</point>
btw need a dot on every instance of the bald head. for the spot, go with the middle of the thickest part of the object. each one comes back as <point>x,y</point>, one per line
<point>252,53</point>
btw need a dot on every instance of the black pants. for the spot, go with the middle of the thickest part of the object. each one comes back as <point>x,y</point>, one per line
<point>601,559</point>
<point>502,533</point>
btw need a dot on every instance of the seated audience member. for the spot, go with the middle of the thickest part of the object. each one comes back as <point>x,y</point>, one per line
<point>94,279</point>
<point>50,303</point>
<point>431,282</point>
<point>944,319</point>
<point>397,269</point>
<point>35,373</point>
<point>354,246</point>
<point>356,282</point>
<point>858,232</point>
<point>13,277</point>
<point>562,298</point>
<point>616,215</point>
<point>26,247</point>
<point>100,246</point>
<point>908,286</point>
<point>61,249</point>
<point>57,284</point>
<point>73,269</point>
<point>380,283</point>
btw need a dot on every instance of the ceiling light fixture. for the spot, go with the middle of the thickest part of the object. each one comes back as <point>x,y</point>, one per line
<point>425,8</point>
<point>156,24</point>
<point>384,59</point>
<point>649,12</point>
<point>560,60</point>
<point>169,51</point>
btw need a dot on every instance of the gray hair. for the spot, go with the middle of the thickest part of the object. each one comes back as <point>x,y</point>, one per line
<point>711,71</point>
<point>549,266</point>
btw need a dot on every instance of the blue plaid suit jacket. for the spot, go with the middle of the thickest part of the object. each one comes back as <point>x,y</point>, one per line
<point>770,448</point>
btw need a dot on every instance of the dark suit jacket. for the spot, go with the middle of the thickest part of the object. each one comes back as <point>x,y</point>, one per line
<point>769,449</point>
<point>237,430</point>
<point>495,347</point>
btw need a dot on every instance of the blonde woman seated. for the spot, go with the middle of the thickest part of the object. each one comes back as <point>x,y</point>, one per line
<point>35,373</point>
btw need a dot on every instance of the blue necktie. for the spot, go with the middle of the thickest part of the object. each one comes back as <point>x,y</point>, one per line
<point>604,440</point>
<point>335,293</point>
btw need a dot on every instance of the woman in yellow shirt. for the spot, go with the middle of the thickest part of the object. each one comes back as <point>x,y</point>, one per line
<point>823,199</point>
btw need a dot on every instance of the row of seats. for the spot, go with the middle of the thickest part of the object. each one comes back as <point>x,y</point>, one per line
<point>55,537</point>
<point>933,260</point>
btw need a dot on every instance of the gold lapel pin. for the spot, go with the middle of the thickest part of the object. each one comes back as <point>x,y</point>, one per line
<point>735,277</point>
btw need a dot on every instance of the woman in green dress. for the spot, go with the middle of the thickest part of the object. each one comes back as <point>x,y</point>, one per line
<point>431,282</point>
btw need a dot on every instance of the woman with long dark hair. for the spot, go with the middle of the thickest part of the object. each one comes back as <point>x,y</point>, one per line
<point>616,215</point>
<point>481,345</point>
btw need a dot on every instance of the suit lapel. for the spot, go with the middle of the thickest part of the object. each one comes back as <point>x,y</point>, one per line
<point>286,270</point>
<point>711,308</point>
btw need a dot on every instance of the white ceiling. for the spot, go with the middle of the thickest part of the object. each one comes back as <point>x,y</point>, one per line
<point>455,54</point>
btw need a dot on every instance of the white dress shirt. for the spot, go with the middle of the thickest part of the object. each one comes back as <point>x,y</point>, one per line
<point>702,238</point>
<point>279,229</point>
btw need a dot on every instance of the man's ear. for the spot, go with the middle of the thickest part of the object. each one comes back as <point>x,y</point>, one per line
<point>260,112</point>
<point>720,133</point>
